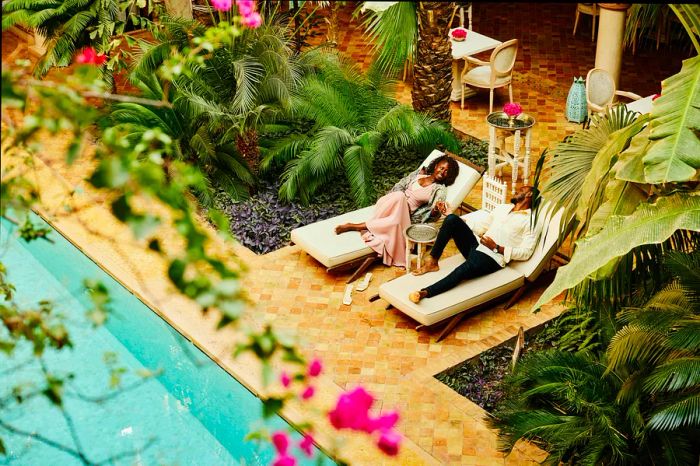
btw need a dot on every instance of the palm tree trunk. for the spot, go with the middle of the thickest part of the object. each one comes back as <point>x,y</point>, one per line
<point>432,70</point>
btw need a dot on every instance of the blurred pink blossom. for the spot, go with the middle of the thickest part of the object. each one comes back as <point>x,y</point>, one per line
<point>382,423</point>
<point>352,410</point>
<point>315,367</point>
<point>221,5</point>
<point>308,392</point>
<point>252,20</point>
<point>88,56</point>
<point>389,442</point>
<point>280,440</point>
<point>307,445</point>
<point>284,460</point>
<point>285,380</point>
<point>245,7</point>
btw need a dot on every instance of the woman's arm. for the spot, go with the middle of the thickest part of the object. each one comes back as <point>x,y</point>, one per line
<point>429,212</point>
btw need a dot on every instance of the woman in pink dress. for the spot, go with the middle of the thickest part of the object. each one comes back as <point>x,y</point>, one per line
<point>417,198</point>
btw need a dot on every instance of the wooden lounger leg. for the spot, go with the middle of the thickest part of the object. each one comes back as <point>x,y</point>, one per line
<point>516,296</point>
<point>361,269</point>
<point>448,328</point>
<point>373,298</point>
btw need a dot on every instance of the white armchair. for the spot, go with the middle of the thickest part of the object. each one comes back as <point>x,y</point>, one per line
<point>600,91</point>
<point>497,72</point>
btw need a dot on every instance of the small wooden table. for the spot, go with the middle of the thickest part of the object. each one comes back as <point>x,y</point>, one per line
<point>418,234</point>
<point>498,155</point>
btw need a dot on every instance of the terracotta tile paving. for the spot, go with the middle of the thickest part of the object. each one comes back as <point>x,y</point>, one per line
<point>364,343</point>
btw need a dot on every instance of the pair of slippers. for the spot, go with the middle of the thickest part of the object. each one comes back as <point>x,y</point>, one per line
<point>361,286</point>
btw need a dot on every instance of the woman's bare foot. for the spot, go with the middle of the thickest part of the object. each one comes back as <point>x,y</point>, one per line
<point>430,265</point>
<point>416,296</point>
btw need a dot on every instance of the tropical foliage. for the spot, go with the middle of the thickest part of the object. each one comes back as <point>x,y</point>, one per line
<point>352,116</point>
<point>218,105</point>
<point>637,404</point>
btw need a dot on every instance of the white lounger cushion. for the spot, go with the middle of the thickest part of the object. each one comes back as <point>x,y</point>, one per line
<point>470,293</point>
<point>466,295</point>
<point>320,241</point>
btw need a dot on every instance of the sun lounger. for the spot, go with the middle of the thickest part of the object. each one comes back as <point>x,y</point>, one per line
<point>348,251</point>
<point>470,294</point>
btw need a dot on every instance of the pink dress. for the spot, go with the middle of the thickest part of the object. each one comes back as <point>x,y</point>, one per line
<point>392,214</point>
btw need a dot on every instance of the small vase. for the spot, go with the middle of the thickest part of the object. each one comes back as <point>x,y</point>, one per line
<point>511,120</point>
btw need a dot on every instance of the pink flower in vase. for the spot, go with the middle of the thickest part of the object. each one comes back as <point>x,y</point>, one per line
<point>512,109</point>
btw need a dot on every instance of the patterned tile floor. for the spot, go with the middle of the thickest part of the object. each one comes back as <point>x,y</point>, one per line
<point>363,343</point>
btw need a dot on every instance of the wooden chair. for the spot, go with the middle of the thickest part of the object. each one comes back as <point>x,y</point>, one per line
<point>587,9</point>
<point>601,91</point>
<point>497,72</point>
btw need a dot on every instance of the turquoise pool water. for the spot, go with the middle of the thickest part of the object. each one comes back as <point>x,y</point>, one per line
<point>193,413</point>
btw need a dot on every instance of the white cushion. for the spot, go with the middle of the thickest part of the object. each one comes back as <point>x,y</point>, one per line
<point>546,246</point>
<point>320,241</point>
<point>481,76</point>
<point>466,295</point>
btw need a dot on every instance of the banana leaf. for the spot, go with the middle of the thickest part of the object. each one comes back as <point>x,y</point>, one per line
<point>649,224</point>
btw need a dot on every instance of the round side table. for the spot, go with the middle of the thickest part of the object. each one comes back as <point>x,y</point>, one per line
<point>498,155</point>
<point>418,234</point>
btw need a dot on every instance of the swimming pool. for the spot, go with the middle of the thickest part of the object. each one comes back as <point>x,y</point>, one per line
<point>192,413</point>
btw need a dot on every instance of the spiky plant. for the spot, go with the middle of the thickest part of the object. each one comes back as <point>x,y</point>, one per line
<point>352,116</point>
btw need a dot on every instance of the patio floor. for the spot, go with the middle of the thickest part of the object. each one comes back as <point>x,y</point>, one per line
<point>363,343</point>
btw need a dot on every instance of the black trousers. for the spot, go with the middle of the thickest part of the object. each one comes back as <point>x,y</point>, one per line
<point>477,263</point>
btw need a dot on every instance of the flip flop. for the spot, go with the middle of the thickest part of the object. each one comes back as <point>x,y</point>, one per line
<point>347,297</point>
<point>362,285</point>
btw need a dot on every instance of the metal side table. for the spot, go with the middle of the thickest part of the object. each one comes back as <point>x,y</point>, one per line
<point>498,155</point>
<point>418,234</point>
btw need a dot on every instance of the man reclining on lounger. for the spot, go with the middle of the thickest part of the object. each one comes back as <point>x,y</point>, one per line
<point>506,235</point>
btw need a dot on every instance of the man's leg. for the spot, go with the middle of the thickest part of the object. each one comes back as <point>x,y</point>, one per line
<point>452,228</point>
<point>476,265</point>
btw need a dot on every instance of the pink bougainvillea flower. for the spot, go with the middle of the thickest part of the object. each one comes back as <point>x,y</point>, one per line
<point>315,368</point>
<point>382,423</point>
<point>307,445</point>
<point>245,7</point>
<point>252,20</point>
<point>656,96</point>
<point>280,440</point>
<point>512,109</point>
<point>389,442</point>
<point>284,460</point>
<point>285,380</point>
<point>351,410</point>
<point>88,56</point>
<point>221,5</point>
<point>308,392</point>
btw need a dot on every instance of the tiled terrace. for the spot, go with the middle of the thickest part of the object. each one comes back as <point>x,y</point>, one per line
<point>363,343</point>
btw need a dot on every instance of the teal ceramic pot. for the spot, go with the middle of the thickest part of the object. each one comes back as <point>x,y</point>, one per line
<point>576,107</point>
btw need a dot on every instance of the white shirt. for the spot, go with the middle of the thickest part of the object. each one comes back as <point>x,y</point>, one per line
<point>512,230</point>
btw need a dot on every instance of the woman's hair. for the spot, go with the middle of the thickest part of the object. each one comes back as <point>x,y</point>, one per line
<point>452,169</point>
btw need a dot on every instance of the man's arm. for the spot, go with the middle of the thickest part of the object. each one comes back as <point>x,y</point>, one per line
<point>524,250</point>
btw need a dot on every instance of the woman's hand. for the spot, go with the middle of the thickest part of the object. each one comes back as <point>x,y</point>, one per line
<point>442,207</point>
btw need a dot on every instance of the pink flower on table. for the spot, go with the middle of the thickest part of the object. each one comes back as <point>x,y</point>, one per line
<point>307,445</point>
<point>245,7</point>
<point>512,109</point>
<point>308,392</point>
<point>352,410</point>
<point>315,368</point>
<point>382,423</point>
<point>389,442</point>
<point>285,380</point>
<point>221,5</point>
<point>284,460</point>
<point>280,440</point>
<point>88,56</point>
<point>252,20</point>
